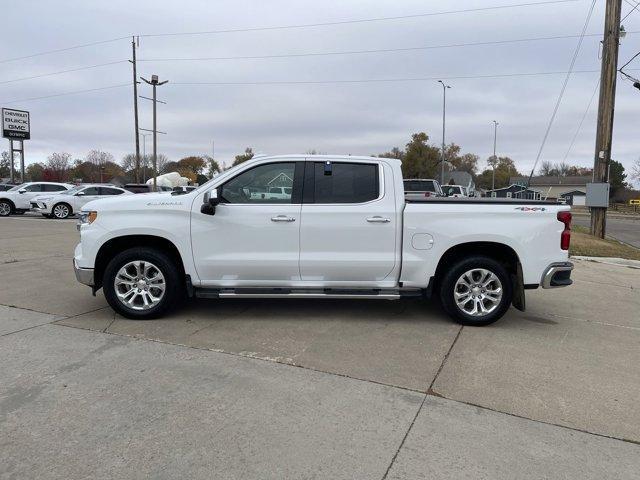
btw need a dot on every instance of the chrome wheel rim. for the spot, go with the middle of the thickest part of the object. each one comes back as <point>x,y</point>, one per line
<point>5,209</point>
<point>61,211</point>
<point>478,292</point>
<point>139,285</point>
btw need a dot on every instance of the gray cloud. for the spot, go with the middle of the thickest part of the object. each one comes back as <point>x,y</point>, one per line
<point>337,118</point>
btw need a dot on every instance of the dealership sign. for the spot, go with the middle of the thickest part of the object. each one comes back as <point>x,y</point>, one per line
<point>15,124</point>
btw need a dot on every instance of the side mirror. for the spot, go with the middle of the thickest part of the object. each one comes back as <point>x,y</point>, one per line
<point>22,190</point>
<point>209,202</point>
<point>79,194</point>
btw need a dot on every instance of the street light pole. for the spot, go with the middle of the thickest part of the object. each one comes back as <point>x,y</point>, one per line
<point>493,163</point>
<point>444,116</point>
<point>155,83</point>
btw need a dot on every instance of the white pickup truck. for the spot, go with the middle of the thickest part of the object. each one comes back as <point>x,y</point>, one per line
<point>345,231</point>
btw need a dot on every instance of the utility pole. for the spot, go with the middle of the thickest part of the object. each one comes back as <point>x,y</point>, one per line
<point>155,83</point>
<point>495,159</point>
<point>606,106</point>
<point>135,107</point>
<point>144,156</point>
<point>444,116</point>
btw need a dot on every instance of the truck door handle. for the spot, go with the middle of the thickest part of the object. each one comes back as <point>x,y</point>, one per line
<point>282,218</point>
<point>378,219</point>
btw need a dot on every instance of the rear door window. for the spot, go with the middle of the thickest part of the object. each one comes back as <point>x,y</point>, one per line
<point>341,182</point>
<point>109,191</point>
<point>53,188</point>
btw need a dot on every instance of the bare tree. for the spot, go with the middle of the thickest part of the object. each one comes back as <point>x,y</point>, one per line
<point>635,170</point>
<point>98,157</point>
<point>563,169</point>
<point>546,168</point>
<point>58,161</point>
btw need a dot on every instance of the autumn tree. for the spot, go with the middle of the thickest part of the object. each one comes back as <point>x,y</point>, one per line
<point>5,162</point>
<point>505,168</point>
<point>420,160</point>
<point>212,165</point>
<point>465,163</point>
<point>35,172</point>
<point>247,155</point>
<point>57,166</point>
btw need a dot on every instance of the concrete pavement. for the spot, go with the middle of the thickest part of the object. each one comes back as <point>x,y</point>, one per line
<point>312,389</point>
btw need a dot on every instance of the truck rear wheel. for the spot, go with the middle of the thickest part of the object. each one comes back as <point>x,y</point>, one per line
<point>476,291</point>
<point>141,283</point>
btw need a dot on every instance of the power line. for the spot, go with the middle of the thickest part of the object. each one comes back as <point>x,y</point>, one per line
<point>63,71</point>
<point>634,5</point>
<point>284,27</point>
<point>76,92</point>
<point>584,116</point>
<point>386,80</point>
<point>382,50</point>
<point>47,52</point>
<point>365,20</point>
<point>562,90</point>
<point>321,82</point>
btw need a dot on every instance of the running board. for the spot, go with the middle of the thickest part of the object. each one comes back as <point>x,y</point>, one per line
<point>362,294</point>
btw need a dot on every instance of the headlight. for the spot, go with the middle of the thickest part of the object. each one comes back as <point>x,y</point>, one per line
<point>87,218</point>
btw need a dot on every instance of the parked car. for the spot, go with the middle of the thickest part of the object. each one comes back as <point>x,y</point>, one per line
<point>183,189</point>
<point>346,231</point>
<point>6,186</point>
<point>423,188</point>
<point>17,200</point>
<point>70,202</point>
<point>144,188</point>
<point>454,191</point>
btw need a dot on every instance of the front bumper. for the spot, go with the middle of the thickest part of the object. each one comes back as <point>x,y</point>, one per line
<point>557,275</point>
<point>84,275</point>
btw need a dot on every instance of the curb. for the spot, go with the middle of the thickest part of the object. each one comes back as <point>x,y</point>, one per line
<point>620,262</point>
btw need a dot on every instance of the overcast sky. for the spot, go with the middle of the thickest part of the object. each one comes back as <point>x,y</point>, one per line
<point>350,118</point>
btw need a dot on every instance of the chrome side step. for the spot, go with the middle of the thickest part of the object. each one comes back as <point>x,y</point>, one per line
<point>363,294</point>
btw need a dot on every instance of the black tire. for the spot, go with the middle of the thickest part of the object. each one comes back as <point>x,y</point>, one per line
<point>448,289</point>
<point>61,211</point>
<point>6,208</point>
<point>174,284</point>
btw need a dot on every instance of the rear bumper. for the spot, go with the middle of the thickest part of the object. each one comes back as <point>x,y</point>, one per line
<point>84,275</point>
<point>557,275</point>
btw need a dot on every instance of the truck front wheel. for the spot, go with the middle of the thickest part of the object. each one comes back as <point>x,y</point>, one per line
<point>476,291</point>
<point>141,283</point>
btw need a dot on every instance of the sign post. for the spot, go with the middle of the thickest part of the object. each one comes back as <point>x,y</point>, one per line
<point>16,126</point>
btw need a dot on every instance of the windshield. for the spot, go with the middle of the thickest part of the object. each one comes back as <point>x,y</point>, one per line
<point>17,187</point>
<point>73,191</point>
<point>420,186</point>
<point>224,174</point>
<point>451,190</point>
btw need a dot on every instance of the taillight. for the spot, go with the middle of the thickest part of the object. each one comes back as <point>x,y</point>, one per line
<point>565,236</point>
<point>427,194</point>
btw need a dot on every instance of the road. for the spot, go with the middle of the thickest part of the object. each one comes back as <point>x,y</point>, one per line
<point>288,389</point>
<point>626,230</point>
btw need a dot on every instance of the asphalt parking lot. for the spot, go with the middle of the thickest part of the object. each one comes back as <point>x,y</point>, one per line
<point>311,389</point>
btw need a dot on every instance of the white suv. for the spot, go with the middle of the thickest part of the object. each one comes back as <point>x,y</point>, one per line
<point>69,202</point>
<point>18,199</point>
